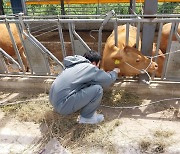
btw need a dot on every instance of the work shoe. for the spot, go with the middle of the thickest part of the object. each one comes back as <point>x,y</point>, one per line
<point>96,118</point>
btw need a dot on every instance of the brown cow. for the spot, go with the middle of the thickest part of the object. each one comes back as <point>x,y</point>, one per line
<point>6,43</point>
<point>165,36</point>
<point>123,56</point>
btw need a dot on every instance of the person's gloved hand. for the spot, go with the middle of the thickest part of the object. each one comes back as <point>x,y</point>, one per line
<point>117,70</point>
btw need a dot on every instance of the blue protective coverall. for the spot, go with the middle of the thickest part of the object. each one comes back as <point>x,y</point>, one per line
<point>79,87</point>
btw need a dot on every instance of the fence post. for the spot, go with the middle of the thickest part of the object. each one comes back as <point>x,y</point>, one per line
<point>18,6</point>
<point>148,33</point>
<point>132,7</point>
<point>1,8</point>
<point>62,8</point>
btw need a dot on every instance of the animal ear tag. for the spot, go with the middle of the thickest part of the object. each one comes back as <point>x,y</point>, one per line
<point>117,61</point>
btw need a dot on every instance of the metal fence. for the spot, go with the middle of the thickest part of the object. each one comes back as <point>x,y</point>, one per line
<point>42,62</point>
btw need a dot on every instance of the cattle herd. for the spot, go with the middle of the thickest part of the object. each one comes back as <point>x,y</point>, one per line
<point>127,57</point>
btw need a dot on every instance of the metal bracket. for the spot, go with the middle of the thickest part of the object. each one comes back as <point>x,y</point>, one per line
<point>79,47</point>
<point>109,15</point>
<point>9,57</point>
<point>105,21</point>
<point>3,67</point>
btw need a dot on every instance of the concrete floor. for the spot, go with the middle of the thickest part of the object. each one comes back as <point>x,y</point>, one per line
<point>16,137</point>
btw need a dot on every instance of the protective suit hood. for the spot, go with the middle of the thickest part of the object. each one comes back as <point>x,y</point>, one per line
<point>70,61</point>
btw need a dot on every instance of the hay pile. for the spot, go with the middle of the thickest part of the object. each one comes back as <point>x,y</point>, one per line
<point>36,108</point>
<point>113,97</point>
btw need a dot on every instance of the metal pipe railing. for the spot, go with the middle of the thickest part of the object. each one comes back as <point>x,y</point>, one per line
<point>105,21</point>
<point>168,49</point>
<point>98,19</point>
<point>15,46</point>
<point>61,40</point>
<point>92,16</point>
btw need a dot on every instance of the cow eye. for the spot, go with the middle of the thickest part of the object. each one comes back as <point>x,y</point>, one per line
<point>137,60</point>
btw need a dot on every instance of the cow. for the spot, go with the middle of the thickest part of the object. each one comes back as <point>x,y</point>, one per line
<point>126,57</point>
<point>6,43</point>
<point>165,36</point>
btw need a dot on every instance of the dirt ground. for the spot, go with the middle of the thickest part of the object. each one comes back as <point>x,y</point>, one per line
<point>151,128</point>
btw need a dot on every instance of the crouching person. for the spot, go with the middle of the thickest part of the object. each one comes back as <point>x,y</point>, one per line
<point>80,87</point>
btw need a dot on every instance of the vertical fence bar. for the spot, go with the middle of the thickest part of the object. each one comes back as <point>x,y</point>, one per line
<point>106,19</point>
<point>157,46</point>
<point>100,40</point>
<point>138,35</point>
<point>21,29</point>
<point>71,37</point>
<point>127,34</point>
<point>116,33</point>
<point>61,39</point>
<point>168,50</point>
<point>176,32</point>
<point>20,32</point>
<point>148,34</point>
<point>15,47</point>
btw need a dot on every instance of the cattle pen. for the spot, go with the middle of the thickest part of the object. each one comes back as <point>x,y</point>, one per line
<point>141,117</point>
<point>47,62</point>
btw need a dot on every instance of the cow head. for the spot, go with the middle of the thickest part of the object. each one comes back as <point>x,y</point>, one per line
<point>130,61</point>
